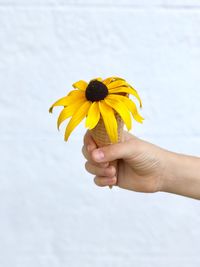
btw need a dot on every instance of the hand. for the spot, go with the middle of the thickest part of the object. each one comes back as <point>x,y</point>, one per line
<point>140,165</point>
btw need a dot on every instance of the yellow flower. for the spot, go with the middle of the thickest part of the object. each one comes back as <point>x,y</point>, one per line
<point>99,99</point>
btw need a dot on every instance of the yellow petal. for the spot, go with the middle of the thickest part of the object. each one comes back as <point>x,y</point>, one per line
<point>93,116</point>
<point>110,79</point>
<point>81,85</point>
<point>138,118</point>
<point>137,96</point>
<point>78,116</point>
<point>109,121</point>
<point>67,100</point>
<point>131,106</point>
<point>61,102</point>
<point>69,111</point>
<point>117,83</point>
<point>126,90</point>
<point>76,93</point>
<point>120,108</point>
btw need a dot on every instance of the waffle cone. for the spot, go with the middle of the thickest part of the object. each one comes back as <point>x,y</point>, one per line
<point>100,135</point>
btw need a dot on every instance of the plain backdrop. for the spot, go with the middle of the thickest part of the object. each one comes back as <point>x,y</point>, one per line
<point>51,213</point>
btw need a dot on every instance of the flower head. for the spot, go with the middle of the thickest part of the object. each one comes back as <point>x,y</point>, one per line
<point>99,99</point>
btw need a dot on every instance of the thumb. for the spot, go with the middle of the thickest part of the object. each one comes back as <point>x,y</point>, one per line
<point>124,150</point>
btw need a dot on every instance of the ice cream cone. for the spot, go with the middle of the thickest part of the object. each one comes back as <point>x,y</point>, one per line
<point>101,137</point>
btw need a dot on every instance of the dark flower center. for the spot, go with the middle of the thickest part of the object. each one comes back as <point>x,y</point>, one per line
<point>96,91</point>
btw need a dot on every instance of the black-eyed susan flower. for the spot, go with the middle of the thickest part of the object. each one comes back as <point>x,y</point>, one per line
<point>99,99</point>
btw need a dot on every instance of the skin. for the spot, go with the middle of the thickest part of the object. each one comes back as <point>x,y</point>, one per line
<point>140,166</point>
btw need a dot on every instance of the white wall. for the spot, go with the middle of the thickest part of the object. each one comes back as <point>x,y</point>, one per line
<point>51,213</point>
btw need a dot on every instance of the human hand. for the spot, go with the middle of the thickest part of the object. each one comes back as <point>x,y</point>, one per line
<point>140,165</point>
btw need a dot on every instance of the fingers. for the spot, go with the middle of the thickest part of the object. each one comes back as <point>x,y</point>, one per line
<point>104,176</point>
<point>109,171</point>
<point>105,181</point>
<point>98,158</point>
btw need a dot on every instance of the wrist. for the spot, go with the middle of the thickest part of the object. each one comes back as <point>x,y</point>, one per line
<point>182,175</point>
<point>171,171</point>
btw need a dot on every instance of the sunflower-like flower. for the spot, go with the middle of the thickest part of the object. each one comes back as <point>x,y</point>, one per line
<point>99,99</point>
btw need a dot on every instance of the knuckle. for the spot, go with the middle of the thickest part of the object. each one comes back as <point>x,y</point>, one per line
<point>98,181</point>
<point>83,150</point>
<point>88,166</point>
<point>85,153</point>
<point>133,142</point>
<point>110,153</point>
<point>103,164</point>
<point>110,171</point>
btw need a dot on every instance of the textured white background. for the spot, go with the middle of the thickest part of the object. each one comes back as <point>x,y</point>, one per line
<point>51,213</point>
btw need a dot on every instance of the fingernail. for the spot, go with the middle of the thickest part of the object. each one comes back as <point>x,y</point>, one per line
<point>98,154</point>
